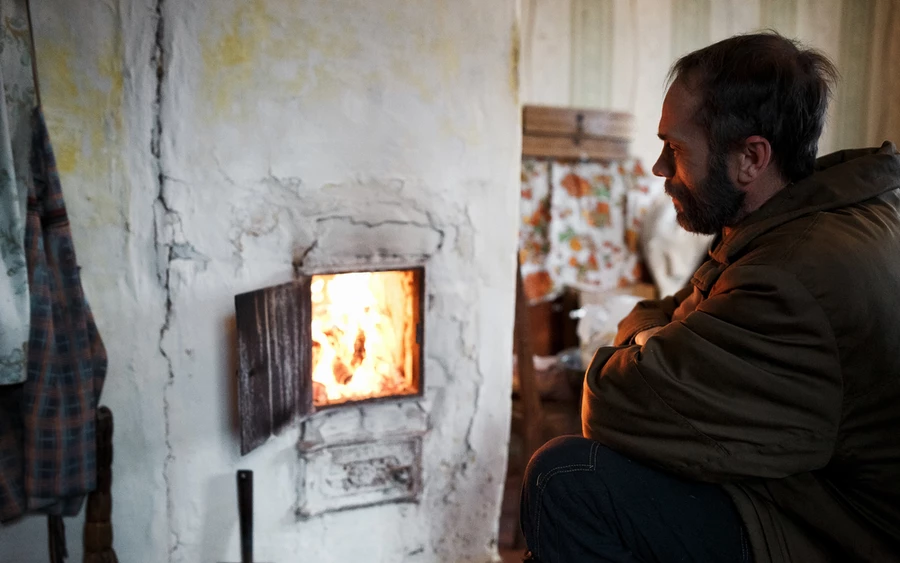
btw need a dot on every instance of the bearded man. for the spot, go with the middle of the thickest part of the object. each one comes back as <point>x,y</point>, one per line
<point>755,414</point>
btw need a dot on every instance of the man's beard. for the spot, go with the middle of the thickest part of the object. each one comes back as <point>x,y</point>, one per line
<point>713,204</point>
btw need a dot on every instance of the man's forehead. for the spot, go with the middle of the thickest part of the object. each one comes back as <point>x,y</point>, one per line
<point>678,111</point>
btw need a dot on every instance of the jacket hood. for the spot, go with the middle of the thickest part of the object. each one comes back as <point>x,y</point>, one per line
<point>840,179</point>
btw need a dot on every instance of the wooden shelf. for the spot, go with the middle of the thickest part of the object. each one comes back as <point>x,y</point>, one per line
<point>575,134</point>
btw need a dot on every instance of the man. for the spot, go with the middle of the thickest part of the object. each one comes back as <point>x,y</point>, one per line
<point>754,415</point>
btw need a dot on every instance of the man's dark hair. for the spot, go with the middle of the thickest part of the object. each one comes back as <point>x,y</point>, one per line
<point>762,84</point>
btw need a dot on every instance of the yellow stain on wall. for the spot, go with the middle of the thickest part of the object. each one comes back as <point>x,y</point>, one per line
<point>82,95</point>
<point>261,53</point>
<point>230,57</point>
<point>242,49</point>
<point>60,100</point>
<point>86,110</point>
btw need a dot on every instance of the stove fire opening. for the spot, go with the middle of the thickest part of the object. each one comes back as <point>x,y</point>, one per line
<point>367,335</point>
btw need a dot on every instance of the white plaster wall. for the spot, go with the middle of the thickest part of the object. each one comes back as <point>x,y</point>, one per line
<point>340,131</point>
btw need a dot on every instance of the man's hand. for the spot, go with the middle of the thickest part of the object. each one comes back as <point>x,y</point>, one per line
<point>641,338</point>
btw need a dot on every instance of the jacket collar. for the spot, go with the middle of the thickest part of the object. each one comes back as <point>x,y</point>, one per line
<point>840,179</point>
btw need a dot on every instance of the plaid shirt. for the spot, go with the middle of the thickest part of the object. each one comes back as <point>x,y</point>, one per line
<point>47,424</point>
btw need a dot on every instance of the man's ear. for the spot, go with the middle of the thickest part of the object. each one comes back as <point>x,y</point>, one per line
<point>754,159</point>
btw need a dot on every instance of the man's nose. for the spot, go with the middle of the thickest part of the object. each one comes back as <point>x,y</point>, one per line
<point>661,167</point>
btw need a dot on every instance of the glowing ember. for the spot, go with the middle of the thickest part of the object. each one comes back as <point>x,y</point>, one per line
<point>364,336</point>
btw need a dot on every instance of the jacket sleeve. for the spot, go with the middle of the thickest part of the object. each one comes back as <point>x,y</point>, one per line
<point>747,385</point>
<point>648,314</point>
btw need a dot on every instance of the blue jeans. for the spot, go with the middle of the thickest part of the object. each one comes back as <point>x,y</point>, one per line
<point>584,503</point>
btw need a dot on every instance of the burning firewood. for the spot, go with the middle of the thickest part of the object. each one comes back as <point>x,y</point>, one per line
<point>342,374</point>
<point>359,349</point>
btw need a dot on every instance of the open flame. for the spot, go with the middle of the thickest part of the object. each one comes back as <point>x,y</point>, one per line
<point>364,336</point>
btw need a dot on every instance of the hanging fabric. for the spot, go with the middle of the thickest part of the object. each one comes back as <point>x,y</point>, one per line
<point>33,52</point>
<point>596,211</point>
<point>534,231</point>
<point>48,423</point>
<point>16,103</point>
<point>581,223</point>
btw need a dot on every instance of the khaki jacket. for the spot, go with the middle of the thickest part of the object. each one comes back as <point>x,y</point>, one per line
<point>777,372</point>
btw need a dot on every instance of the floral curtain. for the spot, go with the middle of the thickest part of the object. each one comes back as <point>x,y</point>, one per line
<point>581,223</point>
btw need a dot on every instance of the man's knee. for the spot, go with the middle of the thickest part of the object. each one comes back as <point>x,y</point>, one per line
<point>553,499</point>
<point>560,455</point>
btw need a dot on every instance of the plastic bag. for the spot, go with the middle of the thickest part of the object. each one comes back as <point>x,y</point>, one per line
<point>599,322</point>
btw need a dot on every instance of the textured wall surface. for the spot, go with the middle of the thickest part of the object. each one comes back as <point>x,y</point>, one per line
<point>620,52</point>
<point>208,146</point>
